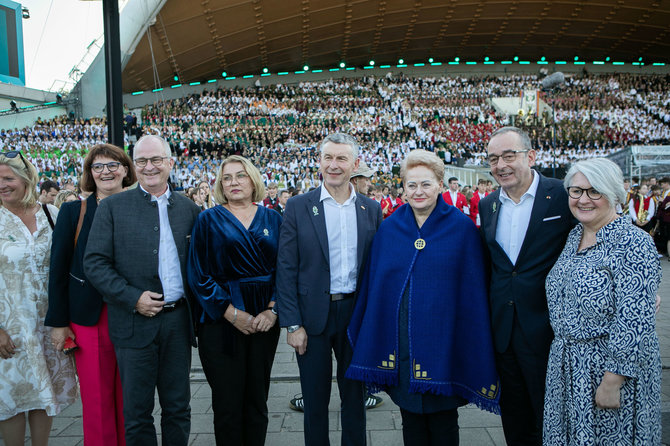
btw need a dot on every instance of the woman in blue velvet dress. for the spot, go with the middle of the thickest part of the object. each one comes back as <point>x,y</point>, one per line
<point>604,373</point>
<point>231,270</point>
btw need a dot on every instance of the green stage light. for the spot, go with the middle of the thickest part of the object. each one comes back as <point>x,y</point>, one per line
<point>265,70</point>
<point>543,58</point>
<point>342,65</point>
<point>224,74</point>
<point>305,68</point>
<point>516,58</point>
<point>486,59</point>
<point>430,60</point>
<point>372,63</point>
<point>576,58</point>
<point>401,61</point>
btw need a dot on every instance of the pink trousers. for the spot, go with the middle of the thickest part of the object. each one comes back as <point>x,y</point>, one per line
<point>100,384</point>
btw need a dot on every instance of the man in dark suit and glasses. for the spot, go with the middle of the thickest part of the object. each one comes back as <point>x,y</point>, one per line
<point>525,225</point>
<point>324,240</point>
<point>136,258</point>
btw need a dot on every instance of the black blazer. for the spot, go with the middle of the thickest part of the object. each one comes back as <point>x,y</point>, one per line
<point>121,259</point>
<point>72,298</point>
<point>303,260</point>
<point>520,288</point>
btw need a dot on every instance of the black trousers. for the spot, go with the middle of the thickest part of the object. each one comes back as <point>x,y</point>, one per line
<point>165,365</point>
<point>430,429</point>
<point>240,382</point>
<point>522,374</point>
<point>316,371</point>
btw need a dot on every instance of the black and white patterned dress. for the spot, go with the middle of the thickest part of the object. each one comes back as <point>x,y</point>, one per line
<point>601,307</point>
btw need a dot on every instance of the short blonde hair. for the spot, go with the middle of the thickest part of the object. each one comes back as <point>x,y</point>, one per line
<point>422,158</point>
<point>23,169</point>
<point>63,196</point>
<point>250,169</point>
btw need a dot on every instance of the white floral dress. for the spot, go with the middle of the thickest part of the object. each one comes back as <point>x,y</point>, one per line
<point>37,376</point>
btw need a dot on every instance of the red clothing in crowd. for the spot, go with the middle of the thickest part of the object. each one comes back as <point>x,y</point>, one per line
<point>460,200</point>
<point>474,207</point>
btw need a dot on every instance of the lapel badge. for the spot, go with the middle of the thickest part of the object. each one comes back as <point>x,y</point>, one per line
<point>315,210</point>
<point>495,206</point>
<point>266,232</point>
<point>362,207</point>
<point>548,197</point>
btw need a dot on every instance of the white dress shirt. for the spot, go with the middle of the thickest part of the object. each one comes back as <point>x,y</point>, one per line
<point>342,232</point>
<point>514,218</point>
<point>169,269</point>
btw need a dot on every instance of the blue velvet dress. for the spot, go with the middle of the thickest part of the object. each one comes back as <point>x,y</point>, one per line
<point>231,264</point>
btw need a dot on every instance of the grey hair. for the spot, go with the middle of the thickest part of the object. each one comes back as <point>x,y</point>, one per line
<point>341,138</point>
<point>523,136</point>
<point>605,177</point>
<point>162,141</point>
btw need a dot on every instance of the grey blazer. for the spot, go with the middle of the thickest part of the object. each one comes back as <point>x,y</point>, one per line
<point>121,259</point>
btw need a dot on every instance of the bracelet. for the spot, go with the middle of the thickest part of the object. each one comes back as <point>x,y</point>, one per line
<point>234,317</point>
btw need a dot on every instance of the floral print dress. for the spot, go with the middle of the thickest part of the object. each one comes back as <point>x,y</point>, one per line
<point>601,307</point>
<point>37,376</point>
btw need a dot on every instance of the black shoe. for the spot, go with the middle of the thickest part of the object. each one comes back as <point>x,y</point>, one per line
<point>297,403</point>
<point>371,401</point>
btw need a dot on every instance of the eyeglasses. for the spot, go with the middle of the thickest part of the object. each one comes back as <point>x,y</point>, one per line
<point>577,192</point>
<point>239,176</point>
<point>11,154</point>
<point>99,167</point>
<point>509,156</point>
<point>156,161</point>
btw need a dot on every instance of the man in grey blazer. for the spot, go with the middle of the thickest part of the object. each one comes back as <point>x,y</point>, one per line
<point>324,240</point>
<point>136,258</point>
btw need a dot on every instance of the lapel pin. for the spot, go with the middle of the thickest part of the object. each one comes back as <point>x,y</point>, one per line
<point>362,207</point>
<point>266,232</point>
<point>548,197</point>
<point>315,210</point>
<point>495,206</point>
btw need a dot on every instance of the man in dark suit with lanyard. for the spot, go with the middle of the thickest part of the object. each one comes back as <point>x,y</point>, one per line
<point>136,258</point>
<point>324,240</point>
<point>525,225</point>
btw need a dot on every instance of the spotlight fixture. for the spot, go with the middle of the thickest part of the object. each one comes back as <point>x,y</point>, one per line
<point>265,70</point>
<point>430,60</point>
<point>13,106</point>
<point>372,63</point>
<point>401,61</point>
<point>342,65</point>
<point>224,74</point>
<point>305,68</point>
<point>59,99</point>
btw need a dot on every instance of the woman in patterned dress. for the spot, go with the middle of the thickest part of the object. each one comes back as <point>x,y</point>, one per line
<point>604,373</point>
<point>36,382</point>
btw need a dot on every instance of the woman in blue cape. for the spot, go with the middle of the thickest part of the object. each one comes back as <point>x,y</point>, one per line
<point>421,327</point>
<point>231,270</point>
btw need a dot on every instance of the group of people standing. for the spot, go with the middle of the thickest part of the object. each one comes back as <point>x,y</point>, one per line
<point>545,315</point>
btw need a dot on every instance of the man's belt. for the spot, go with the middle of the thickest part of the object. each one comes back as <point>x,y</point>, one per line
<point>340,296</point>
<point>171,306</point>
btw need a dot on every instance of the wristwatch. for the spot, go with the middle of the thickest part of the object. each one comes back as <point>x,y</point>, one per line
<point>292,328</point>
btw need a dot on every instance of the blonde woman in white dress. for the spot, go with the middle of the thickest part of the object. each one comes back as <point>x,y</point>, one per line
<point>36,381</point>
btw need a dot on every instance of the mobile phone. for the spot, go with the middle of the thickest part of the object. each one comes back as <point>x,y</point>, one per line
<point>70,346</point>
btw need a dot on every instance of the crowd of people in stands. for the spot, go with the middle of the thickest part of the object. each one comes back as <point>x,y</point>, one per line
<point>278,126</point>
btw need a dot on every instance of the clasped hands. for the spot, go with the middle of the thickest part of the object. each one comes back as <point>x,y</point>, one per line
<point>248,324</point>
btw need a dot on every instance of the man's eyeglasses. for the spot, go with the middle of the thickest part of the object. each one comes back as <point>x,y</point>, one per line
<point>577,192</point>
<point>157,161</point>
<point>99,167</point>
<point>509,156</point>
<point>239,176</point>
<point>11,154</point>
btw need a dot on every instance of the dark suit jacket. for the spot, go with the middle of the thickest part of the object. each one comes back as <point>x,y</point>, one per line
<point>303,261</point>
<point>122,258</point>
<point>520,287</point>
<point>72,298</point>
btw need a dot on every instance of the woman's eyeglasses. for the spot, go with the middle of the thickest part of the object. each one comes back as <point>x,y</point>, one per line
<point>577,192</point>
<point>11,154</point>
<point>99,167</point>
